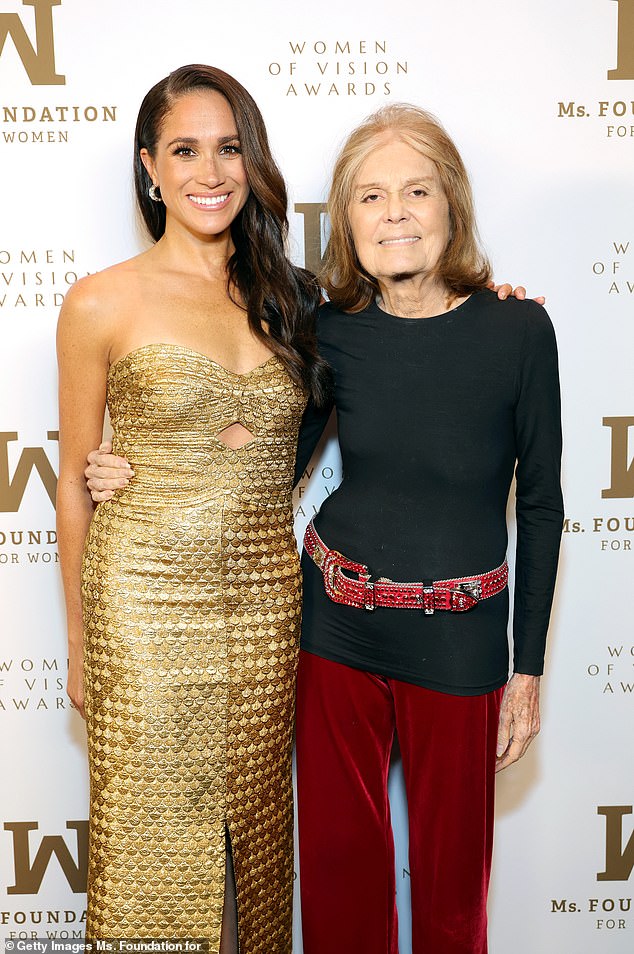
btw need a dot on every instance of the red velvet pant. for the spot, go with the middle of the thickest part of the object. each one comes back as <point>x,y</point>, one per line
<point>346,720</point>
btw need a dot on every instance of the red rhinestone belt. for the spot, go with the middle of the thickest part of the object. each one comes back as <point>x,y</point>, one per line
<point>455,596</point>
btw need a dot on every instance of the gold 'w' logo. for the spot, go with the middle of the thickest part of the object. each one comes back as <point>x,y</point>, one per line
<point>312,213</point>
<point>621,469</point>
<point>625,42</point>
<point>29,874</point>
<point>619,860</point>
<point>12,491</point>
<point>38,61</point>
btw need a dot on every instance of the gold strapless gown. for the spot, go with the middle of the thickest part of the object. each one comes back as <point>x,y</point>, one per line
<point>191,595</point>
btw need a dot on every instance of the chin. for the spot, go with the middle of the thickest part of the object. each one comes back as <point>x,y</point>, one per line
<point>404,276</point>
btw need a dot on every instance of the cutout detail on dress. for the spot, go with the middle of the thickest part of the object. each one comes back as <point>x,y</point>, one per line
<point>235,436</point>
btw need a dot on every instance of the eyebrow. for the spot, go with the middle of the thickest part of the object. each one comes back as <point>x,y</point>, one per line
<point>192,141</point>
<point>423,180</point>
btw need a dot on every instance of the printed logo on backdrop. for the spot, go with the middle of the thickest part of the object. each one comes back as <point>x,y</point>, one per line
<point>614,117</point>
<point>27,123</point>
<point>607,914</point>
<point>31,279</point>
<point>31,862</point>
<point>31,459</point>
<point>26,469</point>
<point>34,857</point>
<point>324,480</point>
<point>615,271</point>
<point>33,685</point>
<point>612,533</point>
<point>612,673</point>
<point>621,459</point>
<point>624,41</point>
<point>38,60</point>
<point>619,852</point>
<point>312,214</point>
<point>311,68</point>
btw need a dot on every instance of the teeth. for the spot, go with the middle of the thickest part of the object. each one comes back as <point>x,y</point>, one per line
<point>400,241</point>
<point>209,200</point>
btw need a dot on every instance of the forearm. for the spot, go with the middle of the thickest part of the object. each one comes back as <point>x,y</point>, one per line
<point>74,513</point>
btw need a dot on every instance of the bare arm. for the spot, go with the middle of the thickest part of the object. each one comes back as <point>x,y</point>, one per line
<point>82,354</point>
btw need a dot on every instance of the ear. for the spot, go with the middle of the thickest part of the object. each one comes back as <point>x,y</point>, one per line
<point>150,167</point>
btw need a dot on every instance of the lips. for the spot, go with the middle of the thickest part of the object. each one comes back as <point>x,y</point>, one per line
<point>403,240</point>
<point>209,201</point>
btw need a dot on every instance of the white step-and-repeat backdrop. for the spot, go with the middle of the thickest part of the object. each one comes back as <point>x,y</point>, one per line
<point>540,98</point>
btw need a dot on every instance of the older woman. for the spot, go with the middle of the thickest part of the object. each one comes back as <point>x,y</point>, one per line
<point>442,391</point>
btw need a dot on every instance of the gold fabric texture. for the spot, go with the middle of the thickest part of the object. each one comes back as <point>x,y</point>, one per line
<point>191,595</point>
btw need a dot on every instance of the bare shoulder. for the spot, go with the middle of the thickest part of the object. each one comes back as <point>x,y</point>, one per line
<point>101,292</point>
<point>96,304</point>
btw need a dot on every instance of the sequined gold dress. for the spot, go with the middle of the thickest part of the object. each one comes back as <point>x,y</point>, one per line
<point>191,597</point>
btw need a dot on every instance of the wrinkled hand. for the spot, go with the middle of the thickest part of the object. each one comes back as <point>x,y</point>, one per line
<point>519,719</point>
<point>106,473</point>
<point>503,291</point>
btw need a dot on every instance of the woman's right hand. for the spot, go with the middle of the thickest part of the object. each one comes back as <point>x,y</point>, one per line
<point>75,687</point>
<point>106,473</point>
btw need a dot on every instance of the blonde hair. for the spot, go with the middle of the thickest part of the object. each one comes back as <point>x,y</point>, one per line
<point>463,266</point>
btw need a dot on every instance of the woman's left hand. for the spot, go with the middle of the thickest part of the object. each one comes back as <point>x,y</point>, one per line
<point>519,719</point>
<point>503,291</point>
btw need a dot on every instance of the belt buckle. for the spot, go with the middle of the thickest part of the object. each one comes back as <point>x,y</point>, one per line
<point>472,588</point>
<point>329,567</point>
<point>333,561</point>
<point>465,596</point>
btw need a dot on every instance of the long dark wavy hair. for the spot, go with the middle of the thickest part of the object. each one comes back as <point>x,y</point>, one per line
<point>273,290</point>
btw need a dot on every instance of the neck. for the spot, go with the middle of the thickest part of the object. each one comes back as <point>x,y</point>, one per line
<point>198,254</point>
<point>418,296</point>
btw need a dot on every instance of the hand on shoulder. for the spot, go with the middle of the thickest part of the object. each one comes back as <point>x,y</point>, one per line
<point>506,291</point>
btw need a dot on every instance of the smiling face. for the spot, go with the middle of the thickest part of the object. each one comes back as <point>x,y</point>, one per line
<point>197,164</point>
<point>399,214</point>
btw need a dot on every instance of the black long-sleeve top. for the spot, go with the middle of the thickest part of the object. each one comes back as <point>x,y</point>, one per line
<point>434,417</point>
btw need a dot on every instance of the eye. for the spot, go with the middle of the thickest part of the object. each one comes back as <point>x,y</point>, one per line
<point>418,192</point>
<point>186,151</point>
<point>371,197</point>
<point>231,149</point>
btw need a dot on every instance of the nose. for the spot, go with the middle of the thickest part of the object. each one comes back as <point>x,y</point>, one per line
<point>211,172</point>
<point>396,208</point>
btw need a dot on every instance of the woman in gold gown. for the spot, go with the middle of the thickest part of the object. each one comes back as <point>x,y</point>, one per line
<point>183,592</point>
